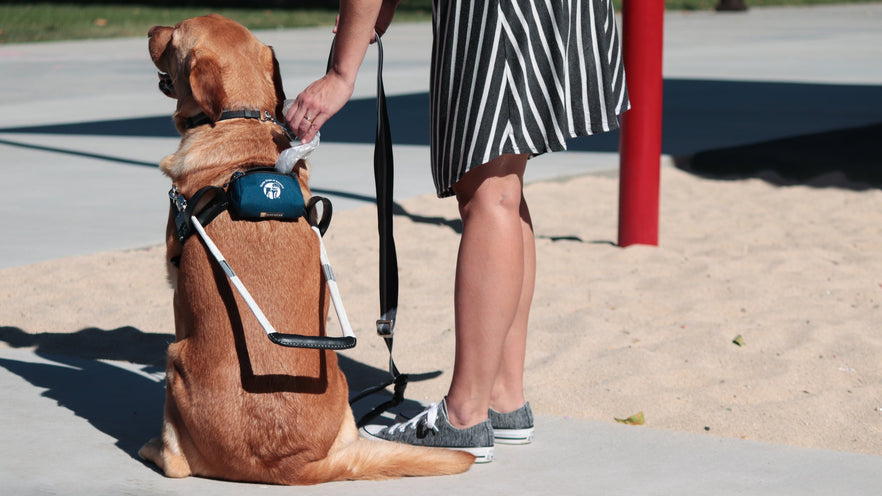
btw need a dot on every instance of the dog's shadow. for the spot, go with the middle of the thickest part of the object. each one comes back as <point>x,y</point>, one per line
<point>125,400</point>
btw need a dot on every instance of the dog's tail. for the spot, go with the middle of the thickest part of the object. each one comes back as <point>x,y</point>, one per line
<point>367,459</point>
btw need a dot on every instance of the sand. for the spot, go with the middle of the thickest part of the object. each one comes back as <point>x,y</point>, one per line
<point>793,270</point>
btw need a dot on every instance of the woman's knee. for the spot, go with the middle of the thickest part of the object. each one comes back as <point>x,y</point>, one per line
<point>495,185</point>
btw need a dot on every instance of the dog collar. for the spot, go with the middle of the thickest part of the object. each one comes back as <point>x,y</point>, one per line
<point>261,115</point>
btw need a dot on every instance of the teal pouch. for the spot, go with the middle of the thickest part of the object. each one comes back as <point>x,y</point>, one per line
<point>265,194</point>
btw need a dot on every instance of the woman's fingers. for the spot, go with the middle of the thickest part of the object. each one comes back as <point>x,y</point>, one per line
<point>316,104</point>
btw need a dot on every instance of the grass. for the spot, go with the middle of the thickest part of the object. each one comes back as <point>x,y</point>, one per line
<point>47,22</point>
<point>32,22</point>
<point>710,4</point>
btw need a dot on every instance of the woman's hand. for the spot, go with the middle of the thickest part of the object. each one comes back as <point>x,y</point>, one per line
<point>357,25</point>
<point>317,103</point>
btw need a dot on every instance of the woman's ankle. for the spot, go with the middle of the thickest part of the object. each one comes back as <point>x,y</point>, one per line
<point>507,402</point>
<point>463,416</point>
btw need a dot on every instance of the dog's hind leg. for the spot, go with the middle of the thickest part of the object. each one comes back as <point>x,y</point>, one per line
<point>166,452</point>
<point>172,464</point>
<point>166,455</point>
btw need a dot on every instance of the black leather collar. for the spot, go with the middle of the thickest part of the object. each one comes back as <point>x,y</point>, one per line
<point>261,115</point>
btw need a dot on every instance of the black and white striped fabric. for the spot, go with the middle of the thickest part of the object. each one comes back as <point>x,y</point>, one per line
<point>520,76</point>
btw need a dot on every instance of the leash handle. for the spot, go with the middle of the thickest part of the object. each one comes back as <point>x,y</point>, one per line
<point>384,183</point>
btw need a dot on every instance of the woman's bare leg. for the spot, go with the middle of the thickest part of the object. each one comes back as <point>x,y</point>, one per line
<point>508,390</point>
<point>494,285</point>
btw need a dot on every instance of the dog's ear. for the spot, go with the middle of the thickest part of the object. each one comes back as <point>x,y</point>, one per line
<point>277,84</point>
<point>206,83</point>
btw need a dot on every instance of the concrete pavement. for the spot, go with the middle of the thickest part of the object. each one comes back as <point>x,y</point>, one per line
<point>83,129</point>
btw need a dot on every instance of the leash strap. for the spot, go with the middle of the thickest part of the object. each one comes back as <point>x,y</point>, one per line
<point>384,182</point>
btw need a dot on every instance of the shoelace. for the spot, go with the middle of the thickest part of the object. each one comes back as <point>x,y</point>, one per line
<point>430,414</point>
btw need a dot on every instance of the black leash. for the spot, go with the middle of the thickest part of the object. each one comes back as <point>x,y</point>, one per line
<point>383,181</point>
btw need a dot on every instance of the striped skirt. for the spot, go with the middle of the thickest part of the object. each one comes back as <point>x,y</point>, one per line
<point>519,76</point>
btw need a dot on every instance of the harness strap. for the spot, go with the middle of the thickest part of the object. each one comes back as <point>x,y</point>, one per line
<point>206,212</point>
<point>196,207</point>
<point>322,219</point>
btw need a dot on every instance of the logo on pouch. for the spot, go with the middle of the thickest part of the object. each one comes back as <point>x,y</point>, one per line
<point>272,188</point>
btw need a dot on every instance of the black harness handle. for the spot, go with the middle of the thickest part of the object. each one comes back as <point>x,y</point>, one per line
<point>205,205</point>
<point>312,342</point>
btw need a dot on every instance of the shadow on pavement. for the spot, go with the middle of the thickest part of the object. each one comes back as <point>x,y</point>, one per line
<point>118,402</point>
<point>717,128</point>
<point>123,403</point>
<point>823,135</point>
<point>847,158</point>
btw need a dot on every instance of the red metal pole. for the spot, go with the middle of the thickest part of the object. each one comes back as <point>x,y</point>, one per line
<point>640,137</point>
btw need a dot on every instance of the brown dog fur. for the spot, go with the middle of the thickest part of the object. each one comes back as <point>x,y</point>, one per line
<point>239,407</point>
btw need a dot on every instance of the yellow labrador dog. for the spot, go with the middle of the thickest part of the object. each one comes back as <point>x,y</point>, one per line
<point>238,406</point>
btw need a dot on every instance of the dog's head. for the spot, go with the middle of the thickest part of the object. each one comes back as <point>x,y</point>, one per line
<point>210,64</point>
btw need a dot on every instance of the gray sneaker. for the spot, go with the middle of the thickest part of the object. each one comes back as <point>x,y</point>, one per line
<point>514,427</point>
<point>432,429</point>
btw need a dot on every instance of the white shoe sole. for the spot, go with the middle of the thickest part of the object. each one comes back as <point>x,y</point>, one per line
<point>482,455</point>
<point>513,436</point>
